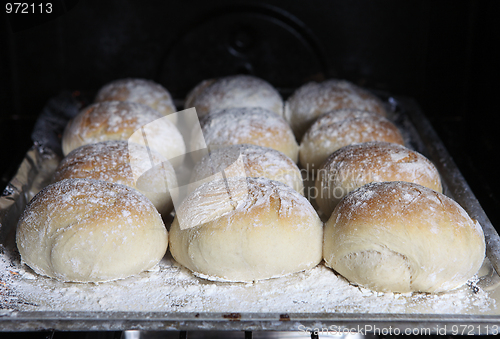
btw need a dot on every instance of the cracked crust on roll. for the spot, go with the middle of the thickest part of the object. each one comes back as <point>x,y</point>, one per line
<point>311,100</point>
<point>116,120</point>
<point>336,129</point>
<point>356,165</point>
<point>246,125</point>
<point>124,163</point>
<point>255,161</point>
<point>403,237</point>
<point>246,229</point>
<point>85,230</point>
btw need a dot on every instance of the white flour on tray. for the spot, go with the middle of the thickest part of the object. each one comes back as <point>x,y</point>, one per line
<point>171,288</point>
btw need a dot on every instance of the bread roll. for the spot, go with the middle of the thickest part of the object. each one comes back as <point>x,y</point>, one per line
<point>85,230</point>
<point>311,100</point>
<point>340,128</point>
<point>356,165</point>
<point>263,229</point>
<point>246,125</point>
<point>234,91</point>
<point>124,163</point>
<point>115,120</point>
<point>256,161</point>
<point>142,91</point>
<point>403,237</point>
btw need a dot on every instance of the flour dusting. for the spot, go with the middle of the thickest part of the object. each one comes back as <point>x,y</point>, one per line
<point>171,288</point>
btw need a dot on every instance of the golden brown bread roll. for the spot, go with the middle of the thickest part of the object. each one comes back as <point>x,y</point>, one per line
<point>336,129</point>
<point>234,91</point>
<point>246,125</point>
<point>403,237</point>
<point>311,100</point>
<point>142,91</point>
<point>86,230</point>
<point>256,161</point>
<point>124,163</point>
<point>259,229</point>
<point>115,120</point>
<point>356,165</point>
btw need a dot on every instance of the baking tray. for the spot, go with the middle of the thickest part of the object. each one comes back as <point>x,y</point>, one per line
<point>474,308</point>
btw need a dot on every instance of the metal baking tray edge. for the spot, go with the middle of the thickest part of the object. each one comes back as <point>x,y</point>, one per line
<point>16,197</point>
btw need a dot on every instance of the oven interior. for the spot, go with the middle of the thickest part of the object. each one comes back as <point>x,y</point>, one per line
<point>439,53</point>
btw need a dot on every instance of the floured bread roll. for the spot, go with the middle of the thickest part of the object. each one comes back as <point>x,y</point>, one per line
<point>245,125</point>
<point>403,237</point>
<point>340,128</point>
<point>123,163</point>
<point>234,91</point>
<point>142,91</point>
<point>85,230</point>
<point>262,229</point>
<point>115,120</point>
<point>313,99</point>
<point>356,165</point>
<point>256,161</point>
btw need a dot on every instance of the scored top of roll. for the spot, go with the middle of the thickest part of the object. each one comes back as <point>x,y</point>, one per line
<point>246,229</point>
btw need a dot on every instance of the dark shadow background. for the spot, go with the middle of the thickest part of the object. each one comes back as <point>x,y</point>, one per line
<point>443,53</point>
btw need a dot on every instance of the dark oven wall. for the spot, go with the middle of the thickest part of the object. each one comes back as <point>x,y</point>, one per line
<point>436,52</point>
